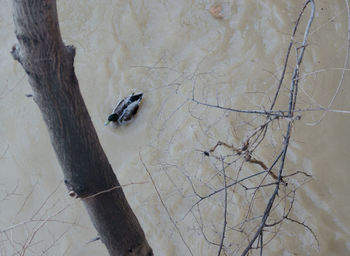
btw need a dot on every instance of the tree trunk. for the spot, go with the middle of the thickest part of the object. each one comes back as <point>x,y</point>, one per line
<point>87,172</point>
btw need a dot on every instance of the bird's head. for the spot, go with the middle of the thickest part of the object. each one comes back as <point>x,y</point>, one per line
<point>112,118</point>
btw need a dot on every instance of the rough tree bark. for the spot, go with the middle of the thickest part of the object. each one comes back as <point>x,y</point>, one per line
<point>49,65</point>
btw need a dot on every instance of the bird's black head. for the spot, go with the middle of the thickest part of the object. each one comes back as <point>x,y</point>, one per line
<point>113,118</point>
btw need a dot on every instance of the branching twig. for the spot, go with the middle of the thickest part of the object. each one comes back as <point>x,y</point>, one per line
<point>292,98</point>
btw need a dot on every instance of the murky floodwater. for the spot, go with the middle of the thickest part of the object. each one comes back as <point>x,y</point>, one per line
<point>170,50</point>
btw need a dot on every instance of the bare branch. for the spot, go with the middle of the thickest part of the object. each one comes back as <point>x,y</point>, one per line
<point>292,98</point>
<point>225,209</point>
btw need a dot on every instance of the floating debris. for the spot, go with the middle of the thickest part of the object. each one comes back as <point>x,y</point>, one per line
<point>216,11</point>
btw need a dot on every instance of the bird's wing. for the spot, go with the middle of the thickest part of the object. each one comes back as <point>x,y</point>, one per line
<point>120,107</point>
<point>129,112</point>
<point>136,97</point>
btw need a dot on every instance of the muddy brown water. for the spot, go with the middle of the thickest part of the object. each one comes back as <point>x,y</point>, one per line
<point>165,49</point>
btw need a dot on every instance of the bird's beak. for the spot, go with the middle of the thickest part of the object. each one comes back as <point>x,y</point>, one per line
<point>106,123</point>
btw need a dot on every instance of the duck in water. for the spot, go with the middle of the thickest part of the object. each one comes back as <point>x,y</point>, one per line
<point>125,109</point>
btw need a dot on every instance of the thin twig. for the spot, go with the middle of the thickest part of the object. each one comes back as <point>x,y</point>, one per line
<point>113,188</point>
<point>287,57</point>
<point>225,209</point>
<point>164,205</point>
<point>343,72</point>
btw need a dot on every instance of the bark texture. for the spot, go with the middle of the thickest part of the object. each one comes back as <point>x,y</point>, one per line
<point>49,65</point>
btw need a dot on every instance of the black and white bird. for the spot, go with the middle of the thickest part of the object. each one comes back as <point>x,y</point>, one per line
<point>125,109</point>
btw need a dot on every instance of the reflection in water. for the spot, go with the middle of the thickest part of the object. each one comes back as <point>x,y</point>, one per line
<point>172,50</point>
